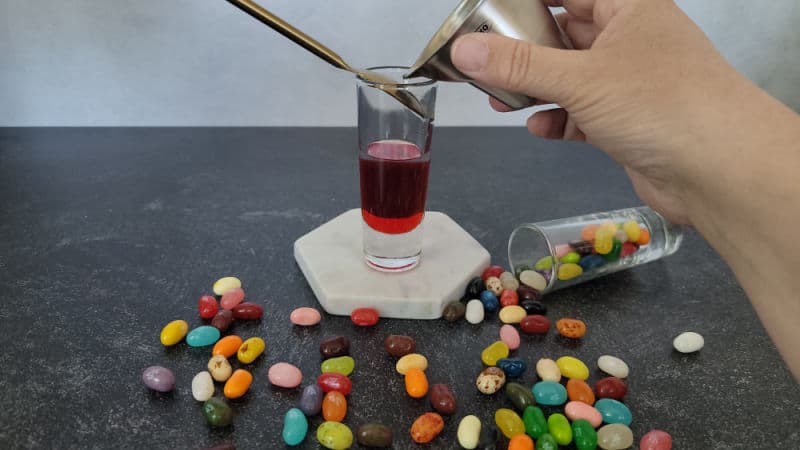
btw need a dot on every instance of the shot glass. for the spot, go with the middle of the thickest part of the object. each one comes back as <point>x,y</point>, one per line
<point>394,160</point>
<point>558,253</point>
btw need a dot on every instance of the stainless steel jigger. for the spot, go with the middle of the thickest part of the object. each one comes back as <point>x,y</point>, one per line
<point>528,20</point>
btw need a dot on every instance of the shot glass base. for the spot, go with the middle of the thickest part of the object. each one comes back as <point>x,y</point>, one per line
<point>392,265</point>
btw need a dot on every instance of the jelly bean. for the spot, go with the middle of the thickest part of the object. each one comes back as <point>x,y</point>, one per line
<point>334,435</point>
<point>219,368</point>
<point>510,336</point>
<point>610,387</point>
<point>621,236</point>
<point>494,284</point>
<point>227,346</point>
<point>416,382</point>
<point>535,425</point>
<point>295,427</point>
<point>331,381</point>
<point>631,229</point>
<point>534,324</point>
<point>512,314</point>
<point>158,378</point>
<point>613,366</point>
<point>469,432</point>
<point>251,349</point>
<point>426,427</point>
<point>688,342</point>
<point>588,232</point>
<point>311,400</point>
<point>305,316</point>
<point>334,406</point>
<point>474,313</point>
<point>584,435</point>
<point>533,307</point>
<point>365,317</point>
<point>490,301</point>
<point>374,435</point>
<point>521,442</point>
<point>590,262</point>
<point>544,263</point>
<point>492,271</point>
<point>548,370</point>
<point>546,442</point>
<point>521,268</point>
<point>604,240</point>
<point>202,386</point>
<point>335,346</point>
<point>614,411</point>
<point>558,427</point>
<point>549,393</point>
<point>238,384</point>
<point>411,360</point>
<point>223,320</point>
<point>571,328</point>
<point>616,251</point>
<point>513,367</point>
<point>248,311</point>
<point>398,345</point>
<point>217,412</point>
<point>533,279</point>
<point>656,440</point>
<point>572,367</point>
<point>579,410</point>
<point>474,288</point>
<point>232,298</point>
<point>341,364</point>
<point>528,293</point>
<point>508,422</point>
<point>561,250</point>
<point>628,249</point>
<point>284,375</point>
<point>509,297</point>
<point>521,397</point>
<point>582,248</point>
<point>490,380</point>
<point>644,236</point>
<point>580,391</point>
<point>569,271</point>
<point>174,332</point>
<point>614,437</point>
<point>493,352</point>
<point>454,311</point>
<point>207,306</point>
<point>571,258</point>
<point>202,336</point>
<point>509,281</point>
<point>442,400</point>
<point>225,284</point>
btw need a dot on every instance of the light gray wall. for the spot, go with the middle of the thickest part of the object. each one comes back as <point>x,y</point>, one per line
<point>203,62</point>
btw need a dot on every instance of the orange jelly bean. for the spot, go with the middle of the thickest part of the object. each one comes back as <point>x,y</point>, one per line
<point>644,236</point>
<point>521,442</point>
<point>227,346</point>
<point>334,406</point>
<point>571,328</point>
<point>416,383</point>
<point>238,384</point>
<point>579,391</point>
<point>587,234</point>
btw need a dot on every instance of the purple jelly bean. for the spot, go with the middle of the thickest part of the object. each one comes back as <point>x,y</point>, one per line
<point>158,378</point>
<point>311,400</point>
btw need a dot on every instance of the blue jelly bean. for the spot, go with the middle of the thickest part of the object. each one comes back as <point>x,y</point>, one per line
<point>590,262</point>
<point>202,336</point>
<point>295,427</point>
<point>550,393</point>
<point>613,411</point>
<point>513,367</point>
<point>490,301</point>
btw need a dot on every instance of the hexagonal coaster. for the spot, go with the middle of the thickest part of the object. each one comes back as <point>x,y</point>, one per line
<point>332,261</point>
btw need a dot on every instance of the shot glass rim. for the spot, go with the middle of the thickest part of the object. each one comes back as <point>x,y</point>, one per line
<point>404,83</point>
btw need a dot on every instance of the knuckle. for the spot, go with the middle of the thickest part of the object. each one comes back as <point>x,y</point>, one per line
<point>518,66</point>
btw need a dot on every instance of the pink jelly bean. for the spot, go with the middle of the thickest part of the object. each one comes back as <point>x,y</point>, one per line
<point>285,375</point>
<point>656,440</point>
<point>562,250</point>
<point>579,410</point>
<point>305,316</point>
<point>232,298</point>
<point>510,336</point>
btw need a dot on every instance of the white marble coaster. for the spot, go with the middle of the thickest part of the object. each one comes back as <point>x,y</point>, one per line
<point>331,260</point>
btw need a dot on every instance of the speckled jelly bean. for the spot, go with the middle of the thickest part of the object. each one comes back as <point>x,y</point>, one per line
<point>225,284</point>
<point>238,384</point>
<point>533,307</point>
<point>615,436</point>
<point>341,364</point>
<point>571,328</point>
<point>579,410</point>
<point>533,279</point>
<point>569,271</point>
<point>613,366</point>
<point>374,435</point>
<point>250,350</point>
<point>492,271</point>
<point>399,345</point>
<point>174,332</point>
<point>219,368</point>
<point>610,387</point>
<point>411,360</point>
<point>572,367</point>
<point>535,423</point>
<point>454,311</point>
<point>311,400</point>
<point>583,435</point>
<point>534,324</point>
<point>549,393</point>
<point>493,352</point>
<point>202,386</point>
<point>490,380</point>
<point>364,317</point>
<point>416,382</point>
<point>334,406</point>
<point>513,367</point>
<point>546,442</point>
<point>295,427</point>
<point>590,262</point>
<point>158,378</point>
<point>227,346</point>
<point>571,258</point>
<point>331,381</point>
<point>202,336</point>
<point>580,391</point>
<point>510,336</point>
<point>247,311</point>
<point>285,375</point>
<point>426,427</point>
<point>469,432</point>
<point>217,412</point>
<point>509,281</point>
<point>490,301</point>
<point>334,346</point>
<point>509,297</point>
<point>305,316</point>
<point>232,298</point>
<point>442,399</point>
<point>474,288</point>
<point>512,314</point>
<point>508,422</point>
<point>495,285</point>
<point>521,442</point>
<point>558,427</point>
<point>614,411</point>
<point>207,306</point>
<point>474,313</point>
<point>223,320</point>
<point>334,435</point>
<point>521,397</point>
<point>688,342</point>
<point>656,440</point>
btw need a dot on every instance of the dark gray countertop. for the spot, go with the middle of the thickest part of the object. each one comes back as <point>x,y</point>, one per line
<point>107,234</point>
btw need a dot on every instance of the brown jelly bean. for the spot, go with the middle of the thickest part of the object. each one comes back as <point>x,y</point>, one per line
<point>223,320</point>
<point>454,311</point>
<point>398,345</point>
<point>582,248</point>
<point>525,292</point>
<point>335,346</point>
<point>442,399</point>
<point>535,324</point>
<point>610,387</point>
<point>374,435</point>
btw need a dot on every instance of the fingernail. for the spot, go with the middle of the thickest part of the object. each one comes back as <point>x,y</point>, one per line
<point>470,54</point>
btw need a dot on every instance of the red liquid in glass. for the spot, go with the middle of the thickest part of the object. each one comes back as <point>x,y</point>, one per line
<point>394,182</point>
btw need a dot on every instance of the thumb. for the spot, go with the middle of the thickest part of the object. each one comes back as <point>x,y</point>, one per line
<point>518,66</point>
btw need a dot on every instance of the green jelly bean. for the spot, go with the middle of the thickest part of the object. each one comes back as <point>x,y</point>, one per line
<point>342,364</point>
<point>584,435</point>
<point>558,427</point>
<point>616,249</point>
<point>217,412</point>
<point>545,263</point>
<point>508,422</point>
<point>571,257</point>
<point>546,442</point>
<point>535,425</point>
<point>334,435</point>
<point>295,427</point>
<point>520,396</point>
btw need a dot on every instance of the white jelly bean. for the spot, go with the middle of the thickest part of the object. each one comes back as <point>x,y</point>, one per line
<point>469,432</point>
<point>474,312</point>
<point>548,370</point>
<point>688,342</point>
<point>533,279</point>
<point>202,386</point>
<point>613,366</point>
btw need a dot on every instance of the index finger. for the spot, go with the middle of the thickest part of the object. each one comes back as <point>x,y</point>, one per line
<point>583,9</point>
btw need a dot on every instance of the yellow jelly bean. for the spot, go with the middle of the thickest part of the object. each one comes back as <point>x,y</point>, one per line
<point>509,422</point>
<point>631,228</point>
<point>409,361</point>
<point>174,332</point>
<point>604,238</point>
<point>512,313</point>
<point>494,352</point>
<point>250,349</point>
<point>225,284</point>
<point>568,271</point>
<point>572,368</point>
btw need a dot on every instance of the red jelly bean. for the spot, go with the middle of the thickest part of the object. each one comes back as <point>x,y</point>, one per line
<point>331,381</point>
<point>232,298</point>
<point>610,387</point>
<point>207,306</point>
<point>534,324</point>
<point>509,297</point>
<point>656,440</point>
<point>628,249</point>
<point>364,317</point>
<point>492,271</point>
<point>247,310</point>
